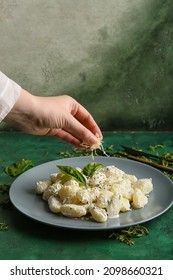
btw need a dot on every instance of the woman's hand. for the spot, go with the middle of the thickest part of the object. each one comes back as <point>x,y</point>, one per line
<point>59,116</point>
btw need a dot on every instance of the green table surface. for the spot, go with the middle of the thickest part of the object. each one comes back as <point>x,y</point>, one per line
<point>27,239</point>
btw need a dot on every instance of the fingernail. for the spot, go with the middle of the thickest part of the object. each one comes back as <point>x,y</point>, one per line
<point>99,136</point>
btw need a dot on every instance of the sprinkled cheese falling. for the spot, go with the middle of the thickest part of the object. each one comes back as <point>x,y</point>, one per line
<point>94,147</point>
<point>99,147</point>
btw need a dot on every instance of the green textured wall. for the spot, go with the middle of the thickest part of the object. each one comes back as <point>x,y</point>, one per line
<point>113,56</point>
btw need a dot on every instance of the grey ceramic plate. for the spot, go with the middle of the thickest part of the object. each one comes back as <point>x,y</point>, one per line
<point>23,197</point>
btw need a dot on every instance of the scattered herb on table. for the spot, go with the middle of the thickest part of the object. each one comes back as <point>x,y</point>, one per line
<point>18,167</point>
<point>74,152</point>
<point>110,148</point>
<point>80,152</point>
<point>65,154</point>
<point>4,188</point>
<point>169,175</point>
<point>3,226</point>
<point>5,202</point>
<point>4,196</point>
<point>168,156</point>
<point>126,235</point>
<point>153,148</point>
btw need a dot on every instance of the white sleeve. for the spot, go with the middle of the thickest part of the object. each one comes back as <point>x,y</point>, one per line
<point>9,93</point>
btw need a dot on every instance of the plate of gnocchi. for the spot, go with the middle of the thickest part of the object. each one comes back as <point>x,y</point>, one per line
<point>100,194</point>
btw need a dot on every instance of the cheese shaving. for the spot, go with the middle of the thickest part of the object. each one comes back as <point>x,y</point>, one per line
<point>94,147</point>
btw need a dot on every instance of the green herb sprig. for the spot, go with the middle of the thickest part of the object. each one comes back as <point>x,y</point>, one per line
<point>153,148</point>
<point>4,196</point>
<point>126,235</point>
<point>3,226</point>
<point>66,154</point>
<point>4,188</point>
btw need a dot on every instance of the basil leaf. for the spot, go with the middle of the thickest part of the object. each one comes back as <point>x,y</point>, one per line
<point>90,168</point>
<point>73,173</point>
<point>18,167</point>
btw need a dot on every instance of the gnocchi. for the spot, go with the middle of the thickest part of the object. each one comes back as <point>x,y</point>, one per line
<point>103,193</point>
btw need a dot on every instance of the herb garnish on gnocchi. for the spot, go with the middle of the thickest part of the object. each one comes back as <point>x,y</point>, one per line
<point>94,191</point>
